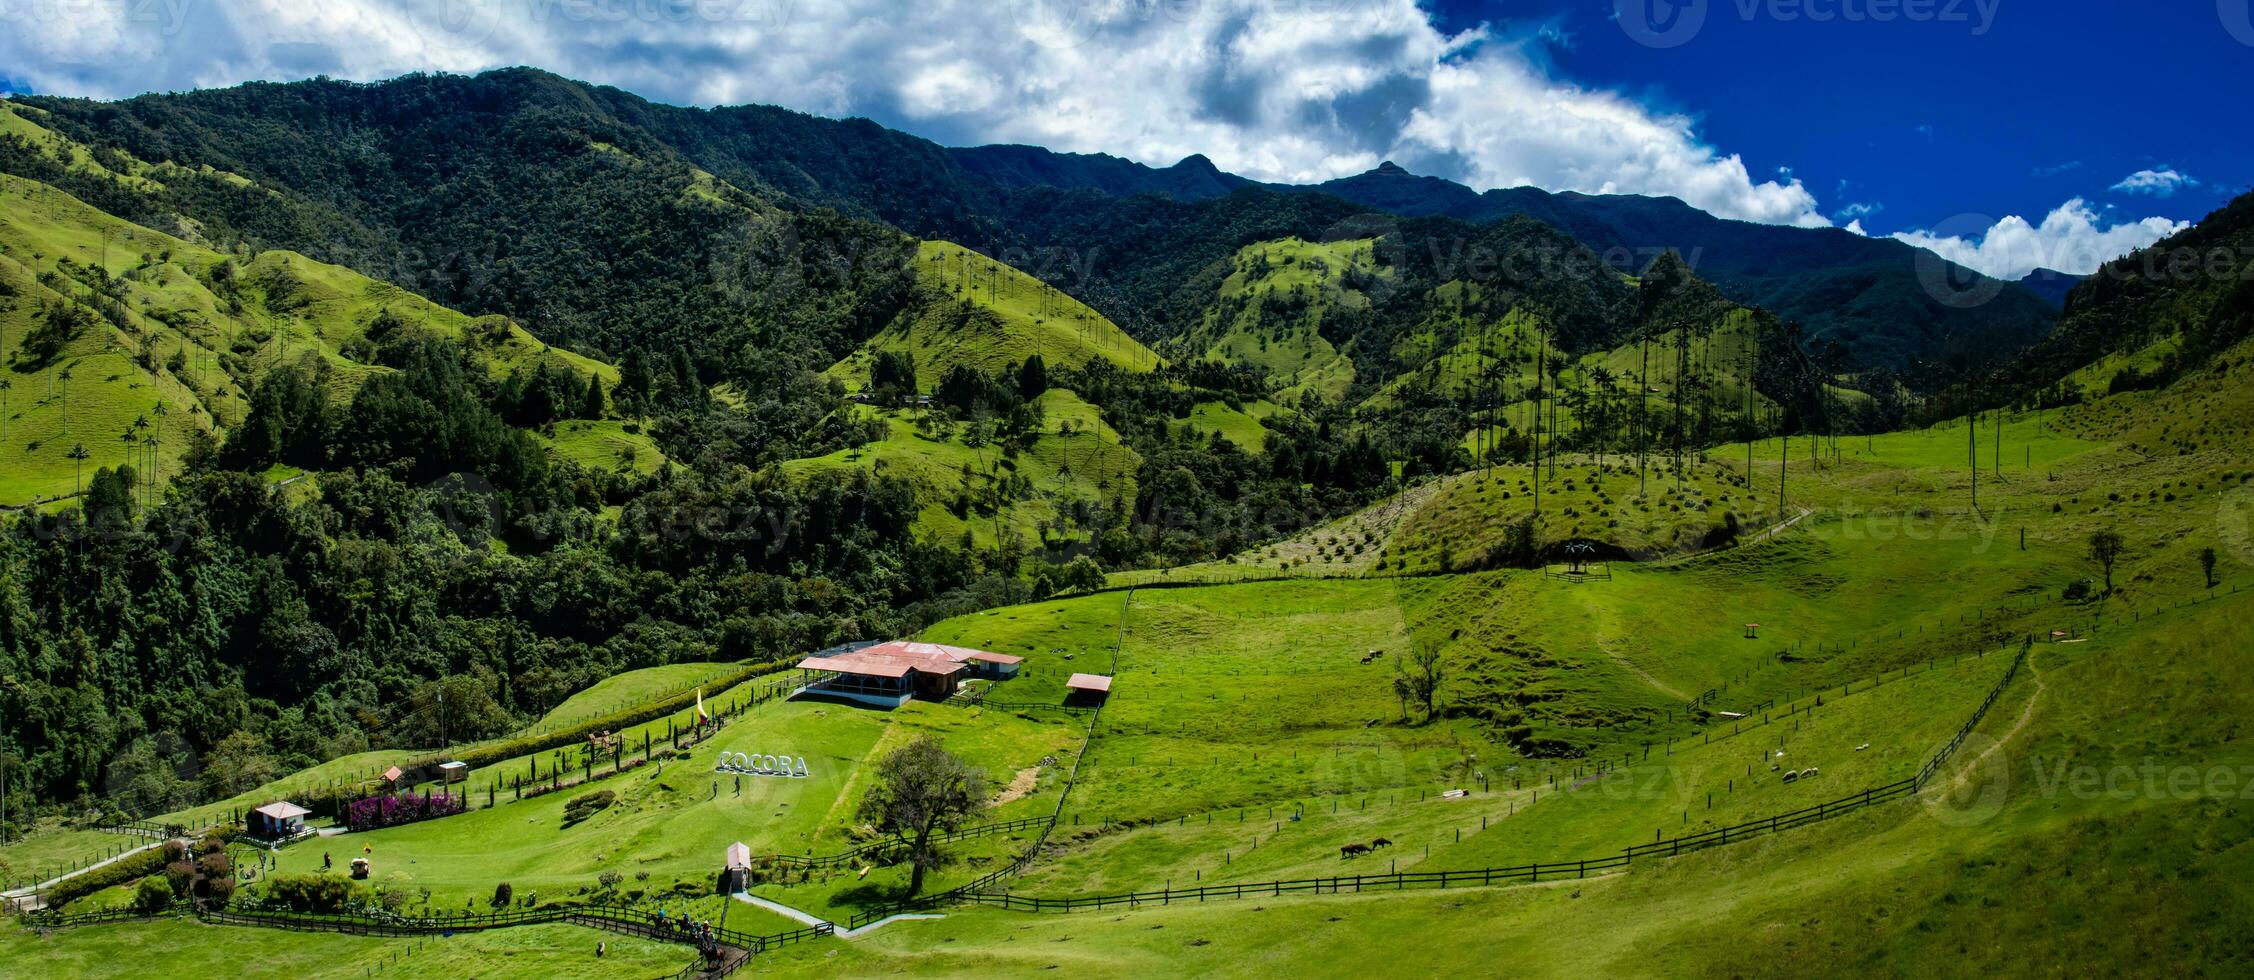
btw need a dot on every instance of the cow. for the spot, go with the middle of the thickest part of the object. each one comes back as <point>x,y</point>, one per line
<point>1353,850</point>
<point>1381,842</point>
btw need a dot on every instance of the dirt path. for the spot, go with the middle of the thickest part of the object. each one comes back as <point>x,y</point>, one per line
<point>27,898</point>
<point>1781,526</point>
<point>1019,787</point>
<point>2026,715</point>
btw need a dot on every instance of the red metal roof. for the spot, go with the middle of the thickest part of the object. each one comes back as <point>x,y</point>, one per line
<point>897,658</point>
<point>935,651</point>
<point>1089,682</point>
<point>850,664</point>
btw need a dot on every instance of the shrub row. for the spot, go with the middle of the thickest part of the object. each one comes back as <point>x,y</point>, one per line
<point>402,808</point>
<point>486,755</point>
<point>122,870</point>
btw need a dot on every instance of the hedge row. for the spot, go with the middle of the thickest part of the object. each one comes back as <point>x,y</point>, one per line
<point>118,872</point>
<point>486,755</point>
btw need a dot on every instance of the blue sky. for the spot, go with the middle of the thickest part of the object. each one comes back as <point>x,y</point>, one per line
<point>2001,133</point>
<point>2011,109</point>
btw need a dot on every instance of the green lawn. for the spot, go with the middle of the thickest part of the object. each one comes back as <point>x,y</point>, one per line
<point>673,821</point>
<point>184,947</point>
<point>620,692</point>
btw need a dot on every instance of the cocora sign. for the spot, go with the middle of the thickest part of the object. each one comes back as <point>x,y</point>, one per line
<point>753,763</point>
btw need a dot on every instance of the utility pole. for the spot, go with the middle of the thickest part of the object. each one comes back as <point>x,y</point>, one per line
<point>1784,459</point>
<point>1972,455</point>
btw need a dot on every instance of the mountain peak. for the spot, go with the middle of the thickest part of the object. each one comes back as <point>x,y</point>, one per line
<point>1195,162</point>
<point>1391,169</point>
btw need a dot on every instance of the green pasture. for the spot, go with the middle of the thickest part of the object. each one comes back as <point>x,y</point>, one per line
<point>186,947</point>
<point>673,818</point>
<point>986,314</point>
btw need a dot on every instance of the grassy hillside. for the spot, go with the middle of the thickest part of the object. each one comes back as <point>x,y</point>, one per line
<point>967,482</point>
<point>1269,313</point>
<point>978,312</point>
<point>165,338</point>
<point>1254,729</point>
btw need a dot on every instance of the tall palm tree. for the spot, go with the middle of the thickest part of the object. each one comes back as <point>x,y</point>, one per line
<point>79,455</point>
<point>155,461</point>
<point>5,387</point>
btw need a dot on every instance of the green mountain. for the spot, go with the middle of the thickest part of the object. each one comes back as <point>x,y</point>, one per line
<point>565,200</point>
<point>111,331</point>
<point>976,312</point>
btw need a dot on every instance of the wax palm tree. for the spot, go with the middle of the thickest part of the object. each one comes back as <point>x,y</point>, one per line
<point>6,386</point>
<point>64,380</point>
<point>79,455</point>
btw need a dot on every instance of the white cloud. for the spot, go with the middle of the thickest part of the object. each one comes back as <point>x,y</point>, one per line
<point>2070,239</point>
<point>1278,91</point>
<point>1858,209</point>
<point>2162,182</point>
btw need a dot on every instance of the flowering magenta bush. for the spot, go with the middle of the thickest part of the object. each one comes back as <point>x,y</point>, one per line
<point>391,811</point>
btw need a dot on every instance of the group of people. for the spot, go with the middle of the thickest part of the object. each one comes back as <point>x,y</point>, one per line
<point>696,929</point>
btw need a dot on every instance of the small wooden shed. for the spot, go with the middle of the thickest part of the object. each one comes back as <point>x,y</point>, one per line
<point>277,821</point>
<point>735,872</point>
<point>1087,688</point>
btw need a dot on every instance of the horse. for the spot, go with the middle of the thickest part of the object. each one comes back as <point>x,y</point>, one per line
<point>1353,850</point>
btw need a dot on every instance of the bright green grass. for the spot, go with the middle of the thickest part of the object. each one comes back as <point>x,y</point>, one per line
<point>203,349</point>
<point>1254,327</point>
<point>986,314</point>
<point>1242,427</point>
<point>1608,502</point>
<point>1230,695</point>
<point>1906,888</point>
<point>619,692</point>
<point>668,820</point>
<point>961,488</point>
<point>606,445</point>
<point>37,856</point>
<point>184,947</point>
<point>359,767</point>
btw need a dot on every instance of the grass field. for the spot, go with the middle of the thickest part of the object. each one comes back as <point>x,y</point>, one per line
<point>1270,309</point>
<point>985,491</point>
<point>981,313</point>
<point>186,947</point>
<point>2098,811</point>
<point>607,445</point>
<point>673,820</point>
<point>1977,879</point>
<point>635,687</point>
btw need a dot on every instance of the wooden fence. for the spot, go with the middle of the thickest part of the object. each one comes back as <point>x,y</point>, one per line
<point>612,918</point>
<point>978,893</point>
<point>887,843</point>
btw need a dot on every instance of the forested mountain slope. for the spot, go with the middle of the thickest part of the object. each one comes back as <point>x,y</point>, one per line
<point>537,176</point>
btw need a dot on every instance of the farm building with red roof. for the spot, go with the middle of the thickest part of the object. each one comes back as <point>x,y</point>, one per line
<point>889,674</point>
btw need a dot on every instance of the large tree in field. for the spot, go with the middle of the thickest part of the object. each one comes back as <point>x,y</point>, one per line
<point>922,790</point>
<point>2105,550</point>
